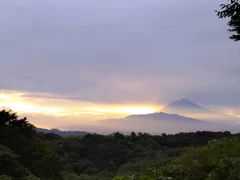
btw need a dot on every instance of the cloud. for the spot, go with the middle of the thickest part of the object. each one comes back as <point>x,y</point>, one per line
<point>62,111</point>
<point>125,52</point>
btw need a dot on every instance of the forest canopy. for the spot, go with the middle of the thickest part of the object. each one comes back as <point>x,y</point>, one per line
<point>28,154</point>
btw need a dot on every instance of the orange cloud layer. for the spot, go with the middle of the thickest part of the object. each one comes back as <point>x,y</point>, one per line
<point>40,105</point>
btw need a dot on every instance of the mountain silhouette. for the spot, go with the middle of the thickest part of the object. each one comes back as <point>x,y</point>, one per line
<point>63,133</point>
<point>184,103</point>
<point>157,123</point>
<point>179,116</point>
<point>185,107</point>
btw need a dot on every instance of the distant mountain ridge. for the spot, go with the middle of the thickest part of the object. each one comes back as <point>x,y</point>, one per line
<point>158,123</point>
<point>179,116</point>
<point>164,116</point>
<point>63,133</point>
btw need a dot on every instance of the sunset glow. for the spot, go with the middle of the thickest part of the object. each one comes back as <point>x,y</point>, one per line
<point>232,113</point>
<point>61,107</point>
<point>139,110</point>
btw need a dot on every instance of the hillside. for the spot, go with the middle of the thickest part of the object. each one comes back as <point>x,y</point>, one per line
<point>63,133</point>
<point>157,123</point>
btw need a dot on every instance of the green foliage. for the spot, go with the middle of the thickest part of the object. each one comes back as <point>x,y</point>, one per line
<point>28,155</point>
<point>94,154</point>
<point>232,12</point>
<point>9,164</point>
<point>216,161</point>
<point>71,176</point>
<point>22,153</point>
<point>4,177</point>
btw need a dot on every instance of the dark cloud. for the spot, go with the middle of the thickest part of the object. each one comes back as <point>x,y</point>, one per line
<point>121,51</point>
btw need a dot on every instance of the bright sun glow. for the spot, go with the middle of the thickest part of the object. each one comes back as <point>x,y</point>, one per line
<point>230,113</point>
<point>4,96</point>
<point>15,102</point>
<point>123,110</point>
<point>60,107</point>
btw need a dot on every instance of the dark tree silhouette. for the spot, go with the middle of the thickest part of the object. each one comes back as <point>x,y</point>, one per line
<point>10,119</point>
<point>231,10</point>
<point>23,153</point>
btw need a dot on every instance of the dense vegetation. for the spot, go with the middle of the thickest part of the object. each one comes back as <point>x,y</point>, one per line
<point>219,160</point>
<point>29,155</point>
<point>23,155</point>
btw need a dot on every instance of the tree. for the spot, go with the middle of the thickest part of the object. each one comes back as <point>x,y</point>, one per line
<point>34,156</point>
<point>232,11</point>
<point>10,166</point>
<point>9,119</point>
<point>4,177</point>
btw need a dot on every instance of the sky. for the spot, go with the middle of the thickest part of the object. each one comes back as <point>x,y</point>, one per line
<point>68,62</point>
